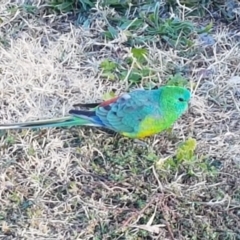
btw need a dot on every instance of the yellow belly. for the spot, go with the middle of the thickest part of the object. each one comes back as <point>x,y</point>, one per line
<point>148,127</point>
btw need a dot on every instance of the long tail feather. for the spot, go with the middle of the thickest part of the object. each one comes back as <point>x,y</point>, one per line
<point>86,105</point>
<point>57,122</point>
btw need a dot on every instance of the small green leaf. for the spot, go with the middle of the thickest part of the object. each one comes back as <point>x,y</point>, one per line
<point>145,72</point>
<point>131,24</point>
<point>29,8</point>
<point>109,75</point>
<point>108,66</point>
<point>64,7</point>
<point>206,29</point>
<point>134,76</point>
<point>139,54</point>
<point>186,150</point>
<point>107,35</point>
<point>185,154</point>
<point>178,80</point>
<point>10,140</point>
<point>86,4</point>
<point>108,95</point>
<point>113,31</point>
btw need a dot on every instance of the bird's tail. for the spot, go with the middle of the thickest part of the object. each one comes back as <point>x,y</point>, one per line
<point>57,122</point>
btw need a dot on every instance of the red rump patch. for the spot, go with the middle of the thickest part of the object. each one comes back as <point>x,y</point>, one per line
<point>108,102</point>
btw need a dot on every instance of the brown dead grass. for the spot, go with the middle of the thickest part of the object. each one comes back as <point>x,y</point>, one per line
<point>87,184</point>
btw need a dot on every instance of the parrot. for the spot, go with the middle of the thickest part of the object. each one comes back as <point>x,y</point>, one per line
<point>137,114</point>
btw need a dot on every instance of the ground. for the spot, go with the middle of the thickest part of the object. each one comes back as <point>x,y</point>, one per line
<point>85,183</point>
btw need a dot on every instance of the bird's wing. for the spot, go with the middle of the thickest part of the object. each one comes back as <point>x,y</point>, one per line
<point>125,113</point>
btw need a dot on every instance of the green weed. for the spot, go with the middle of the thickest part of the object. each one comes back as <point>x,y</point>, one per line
<point>133,69</point>
<point>64,6</point>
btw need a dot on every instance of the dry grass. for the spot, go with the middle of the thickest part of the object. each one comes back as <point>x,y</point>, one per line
<point>82,183</point>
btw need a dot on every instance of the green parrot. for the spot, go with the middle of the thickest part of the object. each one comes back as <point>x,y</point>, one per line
<point>138,114</point>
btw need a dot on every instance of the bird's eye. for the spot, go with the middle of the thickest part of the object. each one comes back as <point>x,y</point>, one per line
<point>181,99</point>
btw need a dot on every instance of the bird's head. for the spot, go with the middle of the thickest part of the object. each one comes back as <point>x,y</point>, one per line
<point>175,99</point>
